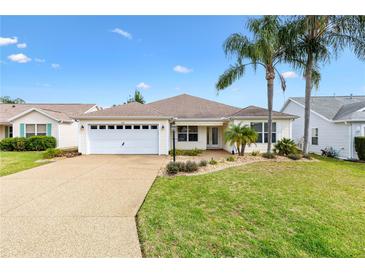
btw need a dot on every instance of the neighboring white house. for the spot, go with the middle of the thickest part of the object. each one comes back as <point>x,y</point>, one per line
<point>136,128</point>
<point>334,122</point>
<point>24,120</point>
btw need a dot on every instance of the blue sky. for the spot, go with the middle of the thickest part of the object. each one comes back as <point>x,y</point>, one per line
<point>102,59</point>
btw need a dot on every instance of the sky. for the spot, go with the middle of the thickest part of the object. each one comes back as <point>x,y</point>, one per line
<point>103,59</point>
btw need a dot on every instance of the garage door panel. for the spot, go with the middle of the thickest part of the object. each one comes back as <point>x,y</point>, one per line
<point>124,141</point>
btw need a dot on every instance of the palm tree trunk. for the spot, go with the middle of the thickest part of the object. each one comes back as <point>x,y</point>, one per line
<point>308,91</point>
<point>270,76</point>
<point>243,149</point>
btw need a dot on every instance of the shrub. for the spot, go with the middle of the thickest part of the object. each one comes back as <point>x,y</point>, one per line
<point>31,143</point>
<point>213,162</point>
<point>285,147</point>
<point>255,153</point>
<point>294,156</point>
<point>52,152</point>
<point>231,159</point>
<point>14,144</point>
<point>41,142</point>
<point>7,144</point>
<point>268,155</point>
<point>190,152</point>
<point>180,166</point>
<point>360,147</point>
<point>172,168</point>
<point>330,152</point>
<point>191,166</point>
<point>203,163</point>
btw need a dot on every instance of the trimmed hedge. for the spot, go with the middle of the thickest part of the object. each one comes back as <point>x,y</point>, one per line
<point>34,143</point>
<point>186,152</point>
<point>360,147</point>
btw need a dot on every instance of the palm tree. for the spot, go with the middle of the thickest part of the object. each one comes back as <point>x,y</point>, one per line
<point>264,50</point>
<point>137,97</point>
<point>240,136</point>
<point>311,41</point>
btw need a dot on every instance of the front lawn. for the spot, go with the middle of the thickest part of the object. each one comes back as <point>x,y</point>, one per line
<point>11,162</point>
<point>268,209</point>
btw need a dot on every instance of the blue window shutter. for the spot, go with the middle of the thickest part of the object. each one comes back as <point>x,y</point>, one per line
<point>21,130</point>
<point>49,129</point>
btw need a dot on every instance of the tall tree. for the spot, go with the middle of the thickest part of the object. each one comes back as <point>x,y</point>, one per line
<point>137,97</point>
<point>8,100</point>
<point>311,41</point>
<point>264,50</point>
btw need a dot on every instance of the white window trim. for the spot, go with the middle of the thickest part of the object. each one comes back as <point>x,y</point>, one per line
<point>315,136</point>
<point>187,133</point>
<point>263,131</point>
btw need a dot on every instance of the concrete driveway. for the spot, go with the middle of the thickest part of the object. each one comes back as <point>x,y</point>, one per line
<point>77,207</point>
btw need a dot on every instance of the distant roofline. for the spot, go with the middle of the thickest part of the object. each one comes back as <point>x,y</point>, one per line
<point>50,104</point>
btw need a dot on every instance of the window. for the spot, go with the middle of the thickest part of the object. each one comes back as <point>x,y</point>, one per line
<point>111,127</point>
<point>258,128</point>
<point>182,133</point>
<point>314,136</point>
<point>128,127</point>
<point>102,127</point>
<point>93,127</point>
<point>35,129</point>
<point>30,130</point>
<point>10,132</point>
<point>185,133</point>
<point>137,127</point>
<point>273,133</point>
<point>41,130</point>
<point>154,127</point>
<point>145,127</point>
<point>193,133</point>
<point>262,130</point>
<point>119,127</point>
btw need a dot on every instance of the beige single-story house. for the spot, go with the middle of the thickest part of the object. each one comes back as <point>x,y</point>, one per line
<point>136,128</point>
<point>25,120</point>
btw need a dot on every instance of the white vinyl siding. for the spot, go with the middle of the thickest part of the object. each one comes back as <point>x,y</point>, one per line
<point>336,135</point>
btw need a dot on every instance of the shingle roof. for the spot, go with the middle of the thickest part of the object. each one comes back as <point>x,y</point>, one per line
<point>187,106</point>
<point>332,106</point>
<point>253,111</point>
<point>133,109</point>
<point>183,106</point>
<point>58,111</point>
<point>351,112</point>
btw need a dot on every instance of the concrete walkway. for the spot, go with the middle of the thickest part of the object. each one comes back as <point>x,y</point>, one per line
<point>77,207</point>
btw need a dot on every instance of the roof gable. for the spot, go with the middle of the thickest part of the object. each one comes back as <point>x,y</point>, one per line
<point>253,111</point>
<point>8,111</point>
<point>186,106</point>
<point>335,108</point>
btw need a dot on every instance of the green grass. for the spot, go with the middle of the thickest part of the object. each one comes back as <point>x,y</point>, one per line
<point>287,209</point>
<point>11,162</point>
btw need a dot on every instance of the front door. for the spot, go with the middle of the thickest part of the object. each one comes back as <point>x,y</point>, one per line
<point>212,137</point>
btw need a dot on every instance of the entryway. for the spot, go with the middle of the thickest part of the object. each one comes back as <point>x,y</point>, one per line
<point>213,138</point>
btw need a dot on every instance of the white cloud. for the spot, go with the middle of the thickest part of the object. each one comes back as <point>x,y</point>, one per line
<point>19,58</point>
<point>21,45</point>
<point>143,85</point>
<point>39,60</point>
<point>122,33</point>
<point>4,41</point>
<point>182,69</point>
<point>55,66</point>
<point>289,74</point>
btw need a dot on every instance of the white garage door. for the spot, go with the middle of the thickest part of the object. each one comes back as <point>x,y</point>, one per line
<point>123,139</point>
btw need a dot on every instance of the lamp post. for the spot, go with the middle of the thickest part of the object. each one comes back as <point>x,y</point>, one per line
<point>173,126</point>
